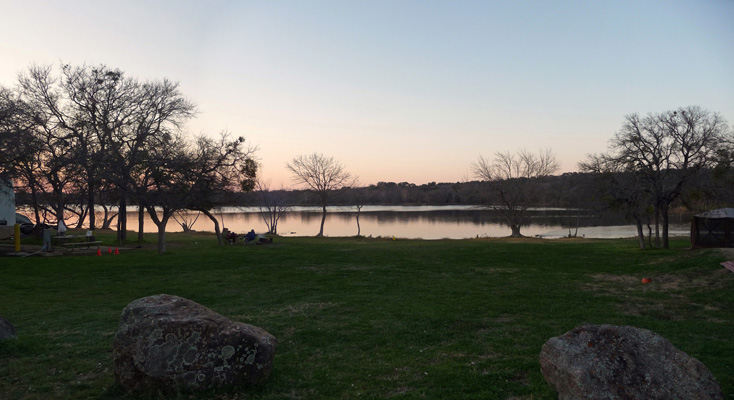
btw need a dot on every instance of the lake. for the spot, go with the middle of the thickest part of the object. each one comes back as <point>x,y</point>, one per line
<point>425,222</point>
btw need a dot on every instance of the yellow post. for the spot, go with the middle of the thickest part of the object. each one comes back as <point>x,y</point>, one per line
<point>17,238</point>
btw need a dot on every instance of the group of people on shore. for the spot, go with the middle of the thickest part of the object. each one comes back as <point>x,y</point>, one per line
<point>250,236</point>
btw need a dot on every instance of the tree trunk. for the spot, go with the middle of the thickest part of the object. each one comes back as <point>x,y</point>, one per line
<point>161,224</point>
<point>657,226</point>
<point>640,232</point>
<point>211,216</point>
<point>90,206</point>
<point>122,217</point>
<point>649,235</point>
<point>515,231</point>
<point>108,221</point>
<point>105,216</point>
<point>59,208</point>
<point>122,220</point>
<point>36,212</point>
<point>82,217</point>
<point>665,216</point>
<point>161,237</point>
<point>359,230</point>
<point>141,222</point>
<point>323,219</point>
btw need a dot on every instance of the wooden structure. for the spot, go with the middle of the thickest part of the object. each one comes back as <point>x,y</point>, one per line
<point>713,228</point>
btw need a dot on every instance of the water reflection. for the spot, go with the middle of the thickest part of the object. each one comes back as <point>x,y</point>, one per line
<point>427,222</point>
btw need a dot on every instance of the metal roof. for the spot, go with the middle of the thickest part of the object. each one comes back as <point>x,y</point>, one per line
<point>720,213</point>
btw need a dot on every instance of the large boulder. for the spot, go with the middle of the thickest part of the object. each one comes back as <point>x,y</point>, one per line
<point>623,362</point>
<point>7,330</point>
<point>170,344</point>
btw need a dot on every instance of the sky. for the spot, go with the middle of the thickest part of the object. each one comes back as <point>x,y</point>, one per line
<point>398,90</point>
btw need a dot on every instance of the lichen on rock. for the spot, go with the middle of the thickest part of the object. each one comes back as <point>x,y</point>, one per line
<point>170,344</point>
<point>7,330</point>
<point>623,362</point>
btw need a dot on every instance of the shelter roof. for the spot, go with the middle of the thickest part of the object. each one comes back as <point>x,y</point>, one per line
<point>719,213</point>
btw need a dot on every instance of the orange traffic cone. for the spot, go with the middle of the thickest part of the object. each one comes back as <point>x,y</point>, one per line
<point>109,249</point>
<point>117,251</point>
<point>99,252</point>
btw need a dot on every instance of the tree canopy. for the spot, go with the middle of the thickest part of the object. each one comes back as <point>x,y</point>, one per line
<point>665,153</point>
<point>324,175</point>
<point>87,129</point>
<point>509,179</point>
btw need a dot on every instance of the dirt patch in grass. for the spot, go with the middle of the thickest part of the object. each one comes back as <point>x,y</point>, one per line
<point>638,299</point>
<point>304,308</point>
<point>494,270</point>
<point>658,310</point>
<point>668,282</point>
<point>398,391</point>
<point>692,280</point>
<point>359,268</point>
<point>608,283</point>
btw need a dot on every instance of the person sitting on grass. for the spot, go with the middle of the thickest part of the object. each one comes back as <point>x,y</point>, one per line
<point>232,237</point>
<point>250,237</point>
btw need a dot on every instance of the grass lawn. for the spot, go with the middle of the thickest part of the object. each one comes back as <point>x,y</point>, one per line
<point>367,318</point>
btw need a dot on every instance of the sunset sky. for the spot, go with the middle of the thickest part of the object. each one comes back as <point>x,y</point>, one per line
<point>398,90</point>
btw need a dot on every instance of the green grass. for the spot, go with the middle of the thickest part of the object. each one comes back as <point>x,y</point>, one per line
<point>367,318</point>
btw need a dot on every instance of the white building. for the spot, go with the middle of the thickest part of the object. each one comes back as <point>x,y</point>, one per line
<point>7,203</point>
<point>7,209</point>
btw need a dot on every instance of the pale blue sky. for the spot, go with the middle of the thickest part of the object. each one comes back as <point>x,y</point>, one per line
<point>399,90</point>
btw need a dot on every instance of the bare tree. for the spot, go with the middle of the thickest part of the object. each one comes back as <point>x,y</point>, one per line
<point>323,175</point>
<point>73,113</point>
<point>51,169</point>
<point>99,102</point>
<point>105,198</point>
<point>91,128</point>
<point>272,205</point>
<point>668,151</point>
<point>185,221</point>
<point>159,183</point>
<point>621,189</point>
<point>21,146</point>
<point>183,175</point>
<point>509,179</point>
<point>17,123</point>
<point>359,211</point>
<point>358,198</point>
<point>158,113</point>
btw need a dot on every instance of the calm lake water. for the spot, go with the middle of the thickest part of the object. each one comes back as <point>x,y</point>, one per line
<point>425,222</point>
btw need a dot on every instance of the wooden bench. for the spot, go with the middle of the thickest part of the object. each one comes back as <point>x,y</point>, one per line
<point>728,265</point>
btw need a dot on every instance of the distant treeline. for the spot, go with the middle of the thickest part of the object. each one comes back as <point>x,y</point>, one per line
<point>568,190</point>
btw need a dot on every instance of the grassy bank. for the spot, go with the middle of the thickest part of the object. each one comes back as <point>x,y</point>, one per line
<point>367,318</point>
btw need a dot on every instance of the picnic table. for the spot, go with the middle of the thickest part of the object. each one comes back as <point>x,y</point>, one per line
<point>61,239</point>
<point>74,241</point>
